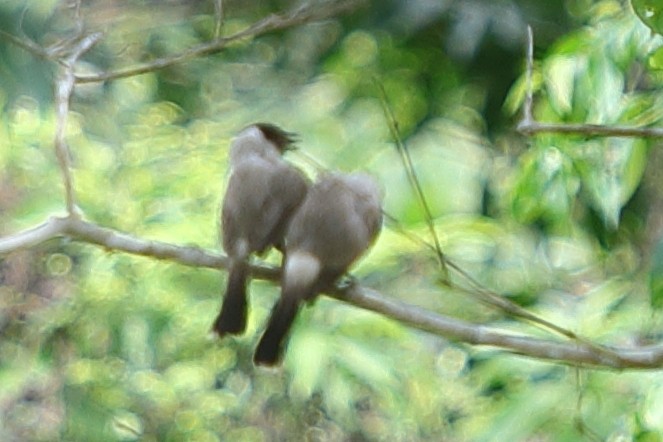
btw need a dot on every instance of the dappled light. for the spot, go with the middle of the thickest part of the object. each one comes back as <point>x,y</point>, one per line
<point>518,297</point>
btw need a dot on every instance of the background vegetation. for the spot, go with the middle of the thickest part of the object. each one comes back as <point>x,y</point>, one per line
<point>106,346</point>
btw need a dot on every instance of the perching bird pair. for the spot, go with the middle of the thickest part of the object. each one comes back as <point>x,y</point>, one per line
<point>320,228</point>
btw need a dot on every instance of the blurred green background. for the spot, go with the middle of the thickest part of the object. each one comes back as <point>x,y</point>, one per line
<point>104,346</point>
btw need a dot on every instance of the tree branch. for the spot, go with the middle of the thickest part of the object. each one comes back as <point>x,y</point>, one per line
<point>308,13</point>
<point>64,87</point>
<point>529,126</point>
<point>52,228</point>
<point>68,52</point>
<point>483,294</point>
<point>27,45</point>
<point>534,127</point>
<point>218,18</point>
<point>570,352</point>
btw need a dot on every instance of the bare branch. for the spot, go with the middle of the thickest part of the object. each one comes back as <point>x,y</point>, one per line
<point>78,17</point>
<point>568,352</point>
<point>68,52</point>
<point>529,126</point>
<point>218,15</point>
<point>572,352</point>
<point>406,159</point>
<point>476,289</point>
<point>533,127</point>
<point>529,99</point>
<point>64,87</point>
<point>113,240</point>
<point>309,13</point>
<point>27,45</point>
<point>52,228</point>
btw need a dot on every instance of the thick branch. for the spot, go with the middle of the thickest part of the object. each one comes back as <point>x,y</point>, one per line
<point>571,352</point>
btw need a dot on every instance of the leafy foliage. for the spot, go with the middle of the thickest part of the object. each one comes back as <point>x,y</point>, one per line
<point>650,12</point>
<point>103,346</point>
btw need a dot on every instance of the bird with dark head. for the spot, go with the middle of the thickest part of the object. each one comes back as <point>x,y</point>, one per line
<point>338,221</point>
<point>263,193</point>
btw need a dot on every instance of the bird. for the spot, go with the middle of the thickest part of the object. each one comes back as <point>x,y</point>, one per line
<point>262,194</point>
<point>338,221</point>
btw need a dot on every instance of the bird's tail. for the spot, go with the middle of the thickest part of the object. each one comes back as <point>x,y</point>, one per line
<point>274,340</point>
<point>300,273</point>
<point>232,318</point>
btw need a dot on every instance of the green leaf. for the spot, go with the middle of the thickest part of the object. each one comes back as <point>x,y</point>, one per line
<point>607,91</point>
<point>650,12</point>
<point>656,59</point>
<point>546,187</point>
<point>611,170</point>
<point>560,76</point>
<point>518,92</point>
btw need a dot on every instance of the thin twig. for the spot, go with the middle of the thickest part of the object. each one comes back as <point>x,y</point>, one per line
<point>529,126</point>
<point>64,87</point>
<point>491,298</point>
<point>534,127</point>
<point>78,17</point>
<point>306,14</point>
<point>218,16</point>
<point>529,99</point>
<point>413,178</point>
<point>26,44</point>
<point>485,295</point>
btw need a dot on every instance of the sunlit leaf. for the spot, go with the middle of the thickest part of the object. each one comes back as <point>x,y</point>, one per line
<point>656,59</point>
<point>545,187</point>
<point>611,171</point>
<point>607,90</point>
<point>560,72</point>
<point>650,12</point>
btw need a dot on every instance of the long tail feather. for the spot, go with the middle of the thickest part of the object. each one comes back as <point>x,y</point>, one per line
<point>274,340</point>
<point>232,318</point>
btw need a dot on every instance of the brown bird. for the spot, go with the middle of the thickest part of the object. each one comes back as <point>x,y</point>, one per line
<point>262,195</point>
<point>337,222</point>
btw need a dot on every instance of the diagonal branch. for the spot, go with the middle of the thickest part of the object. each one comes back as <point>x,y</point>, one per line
<point>567,352</point>
<point>487,296</point>
<point>571,352</point>
<point>308,13</point>
<point>26,44</point>
<point>406,159</point>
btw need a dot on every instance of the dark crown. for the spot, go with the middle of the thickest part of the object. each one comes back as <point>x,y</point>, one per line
<point>282,140</point>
